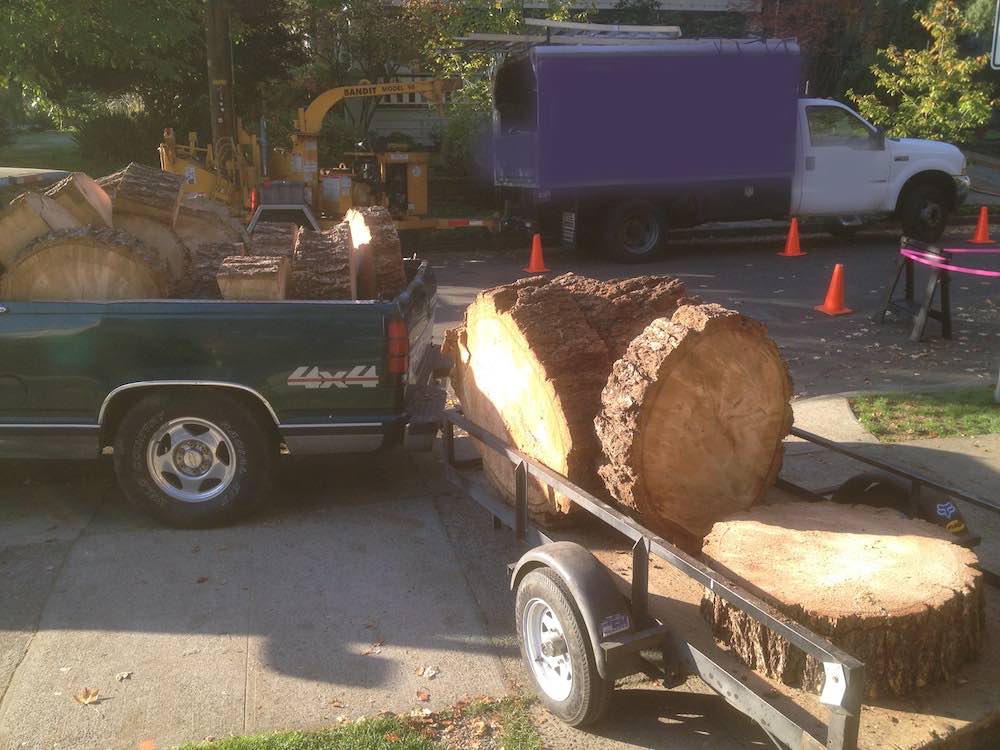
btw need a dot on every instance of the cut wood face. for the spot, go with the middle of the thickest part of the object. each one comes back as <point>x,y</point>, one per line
<point>27,218</point>
<point>85,264</point>
<point>376,252</point>
<point>895,593</point>
<point>161,238</point>
<point>84,198</point>
<point>693,417</point>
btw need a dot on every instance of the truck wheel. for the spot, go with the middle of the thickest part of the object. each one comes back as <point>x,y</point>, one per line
<point>635,232</point>
<point>193,461</point>
<point>557,651</point>
<point>923,213</point>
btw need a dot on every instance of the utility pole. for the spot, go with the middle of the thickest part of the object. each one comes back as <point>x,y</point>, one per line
<point>220,75</point>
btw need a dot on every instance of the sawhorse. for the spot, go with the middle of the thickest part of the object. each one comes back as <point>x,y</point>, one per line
<point>939,279</point>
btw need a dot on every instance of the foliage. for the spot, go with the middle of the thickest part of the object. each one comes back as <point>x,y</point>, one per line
<point>337,137</point>
<point>930,92</point>
<point>6,131</point>
<point>909,416</point>
<point>119,137</point>
<point>691,23</point>
<point>382,733</point>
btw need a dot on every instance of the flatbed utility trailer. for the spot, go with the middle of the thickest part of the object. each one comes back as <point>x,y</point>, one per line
<point>614,598</point>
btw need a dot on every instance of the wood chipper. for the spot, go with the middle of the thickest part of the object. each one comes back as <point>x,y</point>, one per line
<point>253,179</point>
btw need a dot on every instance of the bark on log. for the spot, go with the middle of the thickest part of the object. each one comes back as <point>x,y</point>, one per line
<point>202,220</point>
<point>245,277</point>
<point>893,592</point>
<point>321,268</point>
<point>374,235</point>
<point>532,359</point>
<point>692,419</point>
<point>274,238</point>
<point>139,189</point>
<point>90,263</point>
<point>84,199</point>
<point>28,217</point>
<point>206,260</point>
<point>161,238</point>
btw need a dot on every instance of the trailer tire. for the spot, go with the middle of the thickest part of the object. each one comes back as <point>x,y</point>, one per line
<point>195,460</point>
<point>556,649</point>
<point>635,231</point>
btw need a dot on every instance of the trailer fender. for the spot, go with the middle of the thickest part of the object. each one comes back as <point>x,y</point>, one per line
<point>604,610</point>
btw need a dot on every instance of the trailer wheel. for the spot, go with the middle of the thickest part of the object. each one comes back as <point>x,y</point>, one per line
<point>635,232</point>
<point>193,460</point>
<point>557,651</point>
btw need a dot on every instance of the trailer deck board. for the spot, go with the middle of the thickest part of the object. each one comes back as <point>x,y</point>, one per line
<point>964,713</point>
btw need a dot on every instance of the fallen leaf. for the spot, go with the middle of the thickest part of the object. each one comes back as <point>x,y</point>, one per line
<point>123,676</point>
<point>375,648</point>
<point>86,696</point>
<point>201,579</point>
<point>419,671</point>
<point>431,672</point>
<point>391,736</point>
<point>336,703</point>
<point>423,695</point>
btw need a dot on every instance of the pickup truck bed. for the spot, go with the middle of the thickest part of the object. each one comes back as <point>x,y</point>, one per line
<point>315,377</point>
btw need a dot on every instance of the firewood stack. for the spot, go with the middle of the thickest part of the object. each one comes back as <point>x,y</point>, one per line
<point>133,235</point>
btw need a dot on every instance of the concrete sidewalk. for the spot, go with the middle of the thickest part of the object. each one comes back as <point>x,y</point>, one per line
<point>323,608</point>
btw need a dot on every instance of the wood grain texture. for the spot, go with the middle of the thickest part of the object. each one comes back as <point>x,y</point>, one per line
<point>205,261</point>
<point>89,263</point>
<point>29,217</point>
<point>692,419</point>
<point>254,277</point>
<point>375,245</point>
<point>895,593</point>
<point>321,268</point>
<point>148,191</point>
<point>84,199</point>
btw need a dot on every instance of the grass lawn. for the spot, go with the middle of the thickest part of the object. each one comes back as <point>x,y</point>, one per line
<point>486,724</point>
<point>909,416</point>
<point>52,149</point>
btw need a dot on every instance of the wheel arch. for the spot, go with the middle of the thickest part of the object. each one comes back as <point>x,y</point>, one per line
<point>121,399</point>
<point>593,589</point>
<point>935,177</point>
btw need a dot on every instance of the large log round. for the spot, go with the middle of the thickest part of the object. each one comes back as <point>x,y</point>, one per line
<point>164,240</point>
<point>321,266</point>
<point>85,264</point>
<point>375,242</point>
<point>893,592</point>
<point>692,419</point>
<point>531,360</point>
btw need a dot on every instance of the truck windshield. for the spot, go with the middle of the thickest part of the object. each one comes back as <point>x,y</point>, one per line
<point>834,126</point>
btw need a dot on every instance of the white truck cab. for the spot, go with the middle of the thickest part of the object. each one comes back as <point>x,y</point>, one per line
<point>847,167</point>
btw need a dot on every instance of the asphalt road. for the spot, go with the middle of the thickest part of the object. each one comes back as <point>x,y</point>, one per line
<point>825,354</point>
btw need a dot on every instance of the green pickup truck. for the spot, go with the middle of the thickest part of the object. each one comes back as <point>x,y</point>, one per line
<point>197,399</point>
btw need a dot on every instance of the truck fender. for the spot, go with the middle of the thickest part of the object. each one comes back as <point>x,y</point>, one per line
<point>597,598</point>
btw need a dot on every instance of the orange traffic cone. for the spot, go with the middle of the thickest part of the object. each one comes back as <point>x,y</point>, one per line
<point>792,248</point>
<point>982,234</point>
<point>834,302</point>
<point>536,264</point>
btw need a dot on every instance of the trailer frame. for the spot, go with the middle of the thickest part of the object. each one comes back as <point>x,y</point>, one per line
<point>844,686</point>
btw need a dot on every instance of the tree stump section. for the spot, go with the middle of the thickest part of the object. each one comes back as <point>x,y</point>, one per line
<point>895,593</point>
<point>274,238</point>
<point>161,238</point>
<point>531,361</point>
<point>29,217</point>
<point>375,240</point>
<point>206,260</point>
<point>84,199</point>
<point>245,277</point>
<point>143,190</point>
<point>85,264</point>
<point>201,220</point>
<point>321,269</point>
<point>692,419</point>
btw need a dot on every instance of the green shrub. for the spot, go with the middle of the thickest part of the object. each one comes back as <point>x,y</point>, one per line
<point>117,138</point>
<point>6,131</point>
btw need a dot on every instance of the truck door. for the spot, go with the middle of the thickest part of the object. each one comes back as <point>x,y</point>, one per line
<point>842,166</point>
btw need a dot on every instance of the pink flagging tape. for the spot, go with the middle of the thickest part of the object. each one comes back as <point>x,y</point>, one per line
<point>934,262</point>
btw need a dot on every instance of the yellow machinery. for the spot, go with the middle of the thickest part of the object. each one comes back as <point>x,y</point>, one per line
<point>395,177</point>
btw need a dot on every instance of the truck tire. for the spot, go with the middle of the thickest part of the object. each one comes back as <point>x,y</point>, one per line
<point>193,460</point>
<point>635,232</point>
<point>923,212</point>
<point>557,651</point>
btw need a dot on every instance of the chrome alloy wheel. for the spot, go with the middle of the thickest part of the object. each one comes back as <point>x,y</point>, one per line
<point>191,459</point>
<point>547,652</point>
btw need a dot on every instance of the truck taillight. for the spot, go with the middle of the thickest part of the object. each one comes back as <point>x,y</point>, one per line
<point>399,347</point>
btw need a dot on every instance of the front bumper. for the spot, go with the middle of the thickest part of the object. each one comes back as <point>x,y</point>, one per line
<point>962,185</point>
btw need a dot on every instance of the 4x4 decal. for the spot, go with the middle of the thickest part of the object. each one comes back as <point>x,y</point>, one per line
<point>313,377</point>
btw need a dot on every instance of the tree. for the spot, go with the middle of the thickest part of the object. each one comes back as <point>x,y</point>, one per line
<point>930,92</point>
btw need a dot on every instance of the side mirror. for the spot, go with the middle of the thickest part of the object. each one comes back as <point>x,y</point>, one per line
<point>879,138</point>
